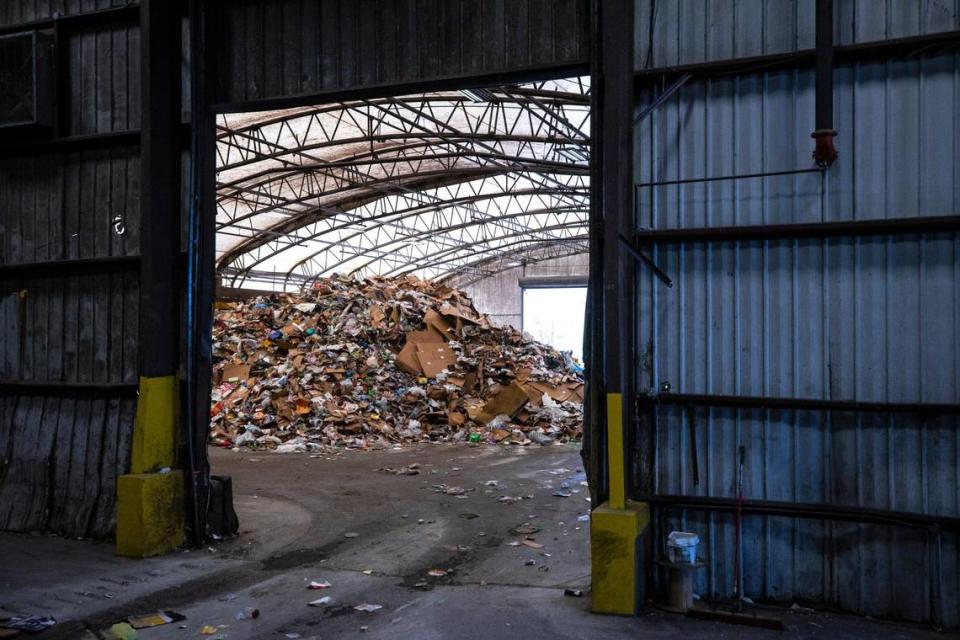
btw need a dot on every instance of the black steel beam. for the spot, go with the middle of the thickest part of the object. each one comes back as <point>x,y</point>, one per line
<point>201,279</point>
<point>850,228</point>
<point>735,176</point>
<point>160,35</point>
<point>553,282</point>
<point>443,83</point>
<point>31,143</point>
<point>824,151</point>
<point>126,15</point>
<point>72,143</point>
<point>53,388</point>
<point>614,90</point>
<point>813,511</point>
<point>79,266</point>
<point>806,58</point>
<point>798,404</point>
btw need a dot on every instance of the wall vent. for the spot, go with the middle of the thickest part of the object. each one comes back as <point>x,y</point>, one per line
<point>26,96</point>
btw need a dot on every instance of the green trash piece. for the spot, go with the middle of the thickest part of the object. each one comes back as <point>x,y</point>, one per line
<point>123,631</point>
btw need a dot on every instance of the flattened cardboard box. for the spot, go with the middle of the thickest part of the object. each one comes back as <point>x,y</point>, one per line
<point>510,400</point>
<point>434,358</point>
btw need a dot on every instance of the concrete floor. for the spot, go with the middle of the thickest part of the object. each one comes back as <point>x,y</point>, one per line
<point>296,512</point>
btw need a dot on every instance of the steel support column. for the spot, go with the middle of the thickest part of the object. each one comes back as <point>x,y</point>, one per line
<point>617,523</point>
<point>160,180</point>
<point>201,277</point>
<point>150,498</point>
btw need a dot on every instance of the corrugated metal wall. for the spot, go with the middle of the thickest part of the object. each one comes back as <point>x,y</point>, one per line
<point>287,48</point>
<point>687,31</point>
<point>874,319</point>
<point>13,12</point>
<point>71,326</point>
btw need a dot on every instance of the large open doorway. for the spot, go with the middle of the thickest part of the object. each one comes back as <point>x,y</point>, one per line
<point>349,232</point>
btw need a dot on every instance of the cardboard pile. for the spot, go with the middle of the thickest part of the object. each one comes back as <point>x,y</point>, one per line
<point>380,361</point>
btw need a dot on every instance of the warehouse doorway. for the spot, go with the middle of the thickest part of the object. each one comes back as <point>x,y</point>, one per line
<point>378,218</point>
<point>352,241</point>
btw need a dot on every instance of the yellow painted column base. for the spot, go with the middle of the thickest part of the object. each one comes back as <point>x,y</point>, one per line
<point>150,508</point>
<point>614,557</point>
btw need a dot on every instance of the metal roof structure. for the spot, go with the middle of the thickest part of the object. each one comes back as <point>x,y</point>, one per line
<point>435,185</point>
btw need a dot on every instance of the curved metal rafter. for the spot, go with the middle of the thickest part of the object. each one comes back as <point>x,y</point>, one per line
<point>439,241</point>
<point>389,212</point>
<point>433,184</point>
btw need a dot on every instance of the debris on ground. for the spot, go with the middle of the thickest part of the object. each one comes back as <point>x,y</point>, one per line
<point>377,362</point>
<point>123,631</point>
<point>247,613</point>
<point>409,470</point>
<point>368,608</point>
<point>321,602</point>
<point>573,593</point>
<point>319,585</point>
<point>525,529</point>
<point>156,619</point>
<point>30,624</point>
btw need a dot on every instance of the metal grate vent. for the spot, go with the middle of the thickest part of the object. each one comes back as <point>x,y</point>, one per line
<point>25,96</point>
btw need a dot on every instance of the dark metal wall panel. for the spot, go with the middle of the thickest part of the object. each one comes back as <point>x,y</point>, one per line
<point>271,49</point>
<point>897,143</point>
<point>62,205</point>
<point>689,31</point>
<point>14,12</point>
<point>869,319</point>
<point>70,339</point>
<point>102,80</point>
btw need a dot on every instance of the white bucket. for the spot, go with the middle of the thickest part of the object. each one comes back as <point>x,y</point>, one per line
<point>682,547</point>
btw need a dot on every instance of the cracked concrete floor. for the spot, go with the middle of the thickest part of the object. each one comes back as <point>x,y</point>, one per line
<point>376,537</point>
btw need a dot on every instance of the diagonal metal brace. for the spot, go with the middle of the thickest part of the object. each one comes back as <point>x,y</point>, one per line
<point>663,97</point>
<point>642,257</point>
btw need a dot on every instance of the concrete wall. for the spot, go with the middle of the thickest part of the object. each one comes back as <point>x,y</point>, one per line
<point>500,296</point>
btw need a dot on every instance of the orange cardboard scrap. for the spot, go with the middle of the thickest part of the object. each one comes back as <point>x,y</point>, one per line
<point>508,401</point>
<point>434,358</point>
<point>236,373</point>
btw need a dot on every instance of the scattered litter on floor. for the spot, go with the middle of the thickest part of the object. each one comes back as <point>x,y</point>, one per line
<point>573,593</point>
<point>208,630</point>
<point>351,534</point>
<point>247,613</point>
<point>123,631</point>
<point>409,470</point>
<point>796,608</point>
<point>319,585</point>
<point>372,363</point>
<point>529,563</point>
<point>30,624</point>
<point>368,608</point>
<point>525,529</point>
<point>436,573</point>
<point>321,602</point>
<point>157,619</point>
